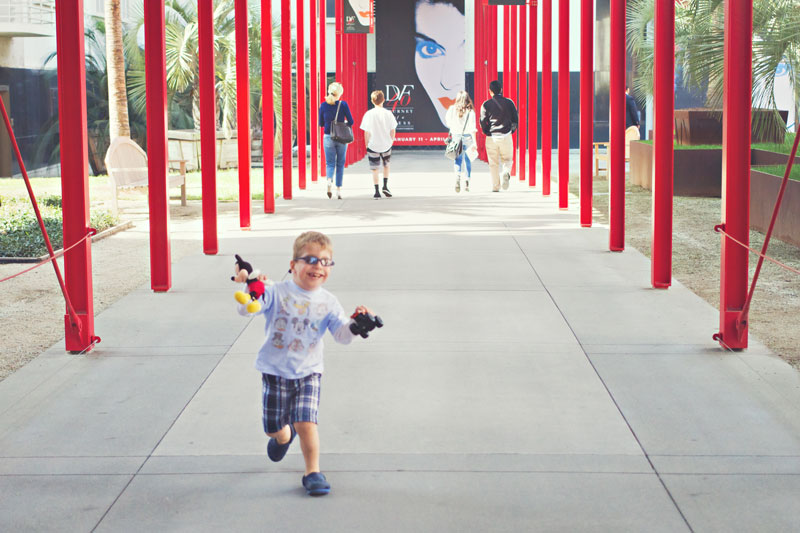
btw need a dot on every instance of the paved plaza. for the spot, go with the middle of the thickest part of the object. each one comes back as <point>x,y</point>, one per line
<point>526,380</point>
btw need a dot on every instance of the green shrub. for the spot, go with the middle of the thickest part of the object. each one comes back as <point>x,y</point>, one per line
<point>20,235</point>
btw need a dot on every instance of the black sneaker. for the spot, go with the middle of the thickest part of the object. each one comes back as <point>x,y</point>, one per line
<point>376,196</point>
<point>386,192</point>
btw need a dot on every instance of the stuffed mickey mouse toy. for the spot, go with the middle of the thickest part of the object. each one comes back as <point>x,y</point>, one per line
<point>244,273</point>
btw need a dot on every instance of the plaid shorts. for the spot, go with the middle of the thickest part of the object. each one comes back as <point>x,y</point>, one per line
<point>376,158</point>
<point>287,401</point>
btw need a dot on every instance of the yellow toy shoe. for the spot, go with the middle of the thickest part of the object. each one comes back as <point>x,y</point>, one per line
<point>242,297</point>
<point>253,307</point>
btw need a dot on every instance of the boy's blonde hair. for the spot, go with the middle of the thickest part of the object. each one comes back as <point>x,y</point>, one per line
<point>309,237</point>
<point>377,97</point>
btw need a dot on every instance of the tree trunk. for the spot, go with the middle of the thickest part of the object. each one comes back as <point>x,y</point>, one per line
<point>118,124</point>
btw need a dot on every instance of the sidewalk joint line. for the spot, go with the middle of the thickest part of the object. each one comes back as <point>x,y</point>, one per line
<point>605,386</point>
<point>166,432</point>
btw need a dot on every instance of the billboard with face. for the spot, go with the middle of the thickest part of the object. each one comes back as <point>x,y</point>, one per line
<point>420,58</point>
<point>358,16</point>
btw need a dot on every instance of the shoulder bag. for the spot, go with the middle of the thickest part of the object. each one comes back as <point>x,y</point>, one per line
<point>454,148</point>
<point>341,132</point>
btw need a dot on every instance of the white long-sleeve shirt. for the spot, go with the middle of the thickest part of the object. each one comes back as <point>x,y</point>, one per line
<point>296,320</point>
<point>456,123</point>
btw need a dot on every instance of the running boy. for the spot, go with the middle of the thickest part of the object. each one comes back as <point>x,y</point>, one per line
<point>379,127</point>
<point>298,311</point>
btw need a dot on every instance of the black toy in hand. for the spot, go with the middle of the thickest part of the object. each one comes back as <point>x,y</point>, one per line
<point>364,323</point>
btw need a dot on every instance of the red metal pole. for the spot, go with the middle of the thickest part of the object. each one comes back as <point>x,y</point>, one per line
<point>533,90</point>
<point>506,49</point>
<point>267,107</point>
<point>663,111</point>
<point>286,96</point>
<point>313,91</point>
<point>523,90</point>
<point>587,110</point>
<point>547,94</point>
<point>480,76</point>
<point>616,129</point>
<point>323,79</point>
<point>243,110</point>
<point>208,123</point>
<point>563,104</point>
<point>362,72</point>
<point>301,94</point>
<point>339,28</point>
<point>74,173</point>
<point>494,28</point>
<point>736,171</point>
<point>157,160</point>
<point>512,87</point>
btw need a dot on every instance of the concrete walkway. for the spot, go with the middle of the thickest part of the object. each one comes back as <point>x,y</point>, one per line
<point>526,380</point>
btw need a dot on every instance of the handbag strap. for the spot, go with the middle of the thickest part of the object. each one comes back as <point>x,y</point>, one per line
<point>336,116</point>
<point>465,123</point>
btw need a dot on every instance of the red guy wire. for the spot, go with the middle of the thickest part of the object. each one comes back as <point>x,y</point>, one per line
<point>72,314</point>
<point>742,320</point>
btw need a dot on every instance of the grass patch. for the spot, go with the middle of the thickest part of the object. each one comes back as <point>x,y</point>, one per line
<point>227,186</point>
<point>779,170</point>
<point>20,235</point>
<point>691,147</point>
<point>785,148</point>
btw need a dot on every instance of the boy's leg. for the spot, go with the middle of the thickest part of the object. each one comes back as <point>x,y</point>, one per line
<point>282,436</point>
<point>309,444</point>
<point>385,158</point>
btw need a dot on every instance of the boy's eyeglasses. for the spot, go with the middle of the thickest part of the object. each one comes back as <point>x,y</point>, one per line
<point>313,260</point>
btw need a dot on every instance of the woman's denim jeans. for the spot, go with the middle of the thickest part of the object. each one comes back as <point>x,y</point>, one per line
<point>334,158</point>
<point>467,140</point>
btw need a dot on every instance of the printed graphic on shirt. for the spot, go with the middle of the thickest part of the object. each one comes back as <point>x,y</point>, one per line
<point>283,305</point>
<point>301,307</point>
<point>280,323</point>
<point>299,325</point>
<point>277,340</point>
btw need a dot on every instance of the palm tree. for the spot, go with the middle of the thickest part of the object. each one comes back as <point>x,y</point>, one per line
<point>700,40</point>
<point>97,107</point>
<point>182,63</point>
<point>115,60</point>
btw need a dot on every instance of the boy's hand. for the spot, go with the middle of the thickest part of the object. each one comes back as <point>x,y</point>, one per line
<point>364,321</point>
<point>263,277</point>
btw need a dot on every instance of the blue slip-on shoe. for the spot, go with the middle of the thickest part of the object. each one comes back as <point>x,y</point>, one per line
<point>316,484</point>
<point>276,451</point>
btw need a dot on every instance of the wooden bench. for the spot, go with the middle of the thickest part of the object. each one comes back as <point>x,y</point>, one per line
<point>126,163</point>
<point>631,134</point>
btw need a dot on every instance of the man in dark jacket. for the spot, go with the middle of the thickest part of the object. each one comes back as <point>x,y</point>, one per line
<point>499,119</point>
<point>631,110</point>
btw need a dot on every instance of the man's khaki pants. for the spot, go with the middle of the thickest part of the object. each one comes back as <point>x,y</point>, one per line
<point>499,151</point>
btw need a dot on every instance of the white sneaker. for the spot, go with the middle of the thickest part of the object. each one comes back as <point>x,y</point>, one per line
<point>506,179</point>
<point>458,184</point>
<point>466,186</point>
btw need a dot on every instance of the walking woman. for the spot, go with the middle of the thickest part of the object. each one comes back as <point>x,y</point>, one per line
<point>334,109</point>
<point>461,121</point>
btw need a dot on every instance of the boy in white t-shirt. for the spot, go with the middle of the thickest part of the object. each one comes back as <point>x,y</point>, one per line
<point>298,312</point>
<point>379,127</point>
